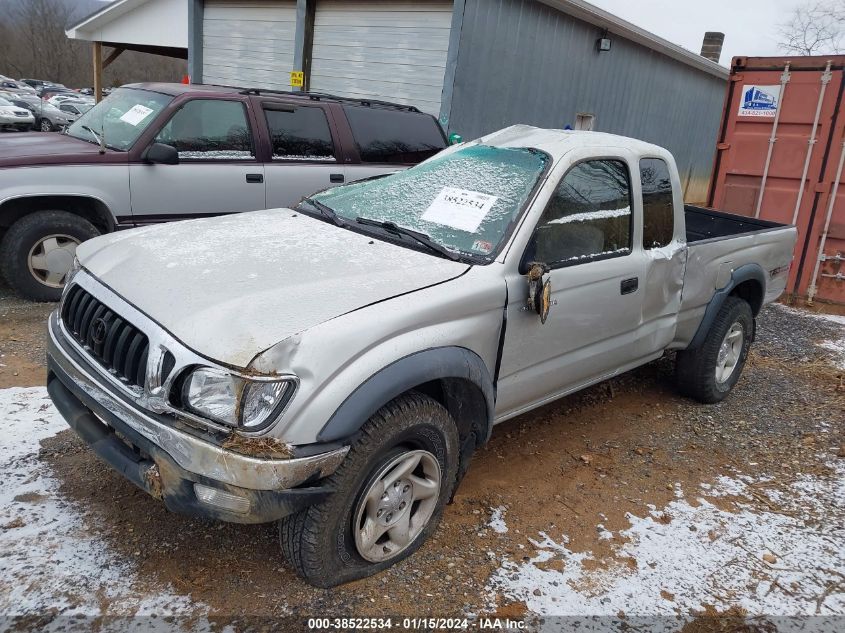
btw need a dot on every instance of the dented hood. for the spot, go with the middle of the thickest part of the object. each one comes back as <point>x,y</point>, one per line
<point>233,286</point>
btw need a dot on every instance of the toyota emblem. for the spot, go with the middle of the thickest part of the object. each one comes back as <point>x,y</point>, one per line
<point>99,331</point>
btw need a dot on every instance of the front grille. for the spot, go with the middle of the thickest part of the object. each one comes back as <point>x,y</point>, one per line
<point>115,343</point>
<point>22,114</point>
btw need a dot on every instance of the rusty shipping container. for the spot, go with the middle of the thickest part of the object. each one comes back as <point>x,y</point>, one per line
<point>780,156</point>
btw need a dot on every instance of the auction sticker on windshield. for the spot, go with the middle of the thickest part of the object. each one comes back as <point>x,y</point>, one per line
<point>459,208</point>
<point>136,114</point>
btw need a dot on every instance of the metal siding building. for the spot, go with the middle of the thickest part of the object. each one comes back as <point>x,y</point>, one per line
<point>478,65</point>
<point>522,61</point>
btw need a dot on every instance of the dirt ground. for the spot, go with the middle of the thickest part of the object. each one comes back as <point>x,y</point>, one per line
<point>573,470</point>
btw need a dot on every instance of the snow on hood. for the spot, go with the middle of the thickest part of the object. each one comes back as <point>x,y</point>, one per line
<point>231,287</point>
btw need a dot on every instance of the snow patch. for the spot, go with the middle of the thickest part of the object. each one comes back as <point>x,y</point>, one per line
<point>497,520</point>
<point>589,216</point>
<point>49,561</point>
<point>703,556</point>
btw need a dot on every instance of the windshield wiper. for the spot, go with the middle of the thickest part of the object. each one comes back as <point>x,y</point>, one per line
<point>324,210</point>
<point>421,238</point>
<point>99,140</point>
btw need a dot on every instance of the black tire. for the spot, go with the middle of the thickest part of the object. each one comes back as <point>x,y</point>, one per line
<point>695,369</point>
<point>45,125</point>
<point>23,235</point>
<point>319,541</point>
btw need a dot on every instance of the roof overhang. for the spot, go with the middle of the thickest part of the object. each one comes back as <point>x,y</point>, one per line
<point>161,24</point>
<point>617,26</point>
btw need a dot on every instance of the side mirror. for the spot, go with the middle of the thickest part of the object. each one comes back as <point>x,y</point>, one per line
<point>161,154</point>
<point>455,139</point>
<point>539,290</point>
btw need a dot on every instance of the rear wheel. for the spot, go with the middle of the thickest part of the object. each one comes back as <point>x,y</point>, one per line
<point>388,496</point>
<point>37,252</point>
<point>710,372</point>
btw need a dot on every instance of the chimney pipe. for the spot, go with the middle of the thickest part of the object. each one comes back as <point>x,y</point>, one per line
<point>711,47</point>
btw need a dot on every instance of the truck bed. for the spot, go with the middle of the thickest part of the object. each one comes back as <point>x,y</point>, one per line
<point>706,224</point>
<point>717,244</point>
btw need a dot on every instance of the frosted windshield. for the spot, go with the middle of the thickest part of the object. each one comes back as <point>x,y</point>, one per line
<point>492,184</point>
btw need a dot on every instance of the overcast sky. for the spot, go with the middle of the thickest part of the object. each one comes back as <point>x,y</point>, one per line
<point>750,28</point>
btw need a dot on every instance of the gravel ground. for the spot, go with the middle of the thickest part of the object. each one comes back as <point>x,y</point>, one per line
<point>22,339</point>
<point>572,510</point>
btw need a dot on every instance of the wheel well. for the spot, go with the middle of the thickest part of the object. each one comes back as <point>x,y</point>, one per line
<point>465,402</point>
<point>752,292</point>
<point>93,210</point>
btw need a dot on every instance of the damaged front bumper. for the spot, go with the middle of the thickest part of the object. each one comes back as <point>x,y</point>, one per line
<point>191,475</point>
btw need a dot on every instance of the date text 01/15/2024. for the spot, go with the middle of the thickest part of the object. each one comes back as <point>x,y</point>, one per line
<point>415,624</point>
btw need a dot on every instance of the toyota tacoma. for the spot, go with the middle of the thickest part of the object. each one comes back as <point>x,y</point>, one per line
<point>334,366</point>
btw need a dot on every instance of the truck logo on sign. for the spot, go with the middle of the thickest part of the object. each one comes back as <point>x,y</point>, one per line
<point>760,101</point>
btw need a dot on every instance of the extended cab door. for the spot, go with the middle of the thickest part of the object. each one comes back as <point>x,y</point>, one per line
<point>664,246</point>
<point>305,155</point>
<point>587,235</point>
<point>218,171</point>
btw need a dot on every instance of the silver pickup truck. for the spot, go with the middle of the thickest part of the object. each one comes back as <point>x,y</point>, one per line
<point>159,152</point>
<point>333,367</point>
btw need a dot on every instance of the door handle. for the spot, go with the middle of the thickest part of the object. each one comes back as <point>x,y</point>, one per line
<point>629,285</point>
<point>336,178</point>
<point>255,178</point>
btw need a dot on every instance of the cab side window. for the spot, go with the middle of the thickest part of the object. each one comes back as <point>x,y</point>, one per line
<point>206,129</point>
<point>658,206</point>
<point>588,218</point>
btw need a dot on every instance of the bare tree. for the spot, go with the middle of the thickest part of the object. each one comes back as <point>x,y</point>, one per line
<point>816,27</point>
<point>33,44</point>
<point>40,26</point>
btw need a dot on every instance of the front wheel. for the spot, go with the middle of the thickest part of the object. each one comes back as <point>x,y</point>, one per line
<point>388,496</point>
<point>710,372</point>
<point>45,125</point>
<point>37,252</point>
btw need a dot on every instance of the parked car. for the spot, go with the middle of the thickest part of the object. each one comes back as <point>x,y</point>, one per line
<point>40,83</point>
<point>48,92</point>
<point>15,86</point>
<point>47,117</point>
<point>75,108</point>
<point>334,367</point>
<point>14,117</point>
<point>20,103</point>
<point>58,99</point>
<point>158,152</point>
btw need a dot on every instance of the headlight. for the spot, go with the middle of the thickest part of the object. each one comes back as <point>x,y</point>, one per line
<point>223,397</point>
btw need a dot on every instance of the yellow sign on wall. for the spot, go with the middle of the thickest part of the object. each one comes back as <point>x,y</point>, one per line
<point>297,79</point>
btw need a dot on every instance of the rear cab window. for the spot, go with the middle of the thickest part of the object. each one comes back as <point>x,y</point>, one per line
<point>658,204</point>
<point>384,135</point>
<point>299,133</point>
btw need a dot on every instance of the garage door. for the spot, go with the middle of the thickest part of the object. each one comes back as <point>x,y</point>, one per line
<point>248,43</point>
<point>390,50</point>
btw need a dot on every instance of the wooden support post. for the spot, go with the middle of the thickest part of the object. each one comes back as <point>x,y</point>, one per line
<point>98,71</point>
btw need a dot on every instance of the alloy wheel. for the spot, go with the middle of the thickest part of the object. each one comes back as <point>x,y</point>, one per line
<point>397,505</point>
<point>51,258</point>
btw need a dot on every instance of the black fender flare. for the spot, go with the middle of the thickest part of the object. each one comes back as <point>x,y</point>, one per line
<point>436,363</point>
<point>746,272</point>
